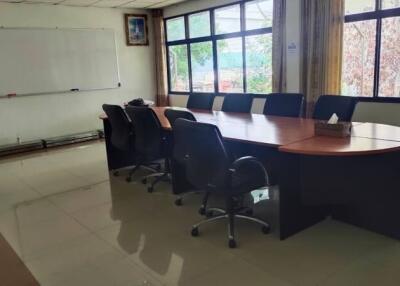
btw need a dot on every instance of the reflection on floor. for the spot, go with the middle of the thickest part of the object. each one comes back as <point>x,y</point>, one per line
<point>72,224</point>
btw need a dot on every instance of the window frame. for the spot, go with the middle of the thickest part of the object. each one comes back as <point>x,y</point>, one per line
<point>213,38</point>
<point>378,14</point>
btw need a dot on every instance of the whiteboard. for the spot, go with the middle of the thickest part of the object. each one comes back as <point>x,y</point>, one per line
<point>39,60</point>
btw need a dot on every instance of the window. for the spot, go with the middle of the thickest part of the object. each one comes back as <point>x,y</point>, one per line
<point>178,67</point>
<point>259,14</point>
<point>371,56</point>
<point>227,20</point>
<point>202,67</point>
<point>259,63</point>
<point>225,49</point>
<point>176,29</point>
<point>230,65</point>
<point>199,25</point>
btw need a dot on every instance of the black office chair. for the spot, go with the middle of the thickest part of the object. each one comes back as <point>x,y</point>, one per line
<point>179,152</point>
<point>200,101</point>
<point>327,105</point>
<point>209,167</point>
<point>237,103</point>
<point>284,104</point>
<point>122,134</point>
<point>151,142</point>
<point>174,114</point>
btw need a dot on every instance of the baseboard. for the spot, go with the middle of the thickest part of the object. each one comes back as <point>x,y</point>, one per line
<point>12,149</point>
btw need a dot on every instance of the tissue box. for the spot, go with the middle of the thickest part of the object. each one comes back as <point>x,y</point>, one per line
<point>340,129</point>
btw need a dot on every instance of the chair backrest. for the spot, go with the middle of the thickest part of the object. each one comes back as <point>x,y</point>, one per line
<point>377,112</point>
<point>206,161</point>
<point>237,103</point>
<point>121,127</point>
<point>179,146</point>
<point>284,104</point>
<point>200,101</point>
<point>327,105</point>
<point>174,114</point>
<point>148,130</point>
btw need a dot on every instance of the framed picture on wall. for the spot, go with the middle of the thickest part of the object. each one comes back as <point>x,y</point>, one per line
<point>136,30</point>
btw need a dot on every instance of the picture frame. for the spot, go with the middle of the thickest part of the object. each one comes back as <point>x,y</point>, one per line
<point>136,28</point>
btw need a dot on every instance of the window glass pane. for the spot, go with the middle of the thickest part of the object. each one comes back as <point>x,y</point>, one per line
<point>202,67</point>
<point>178,68</point>
<point>227,20</point>
<point>359,6</point>
<point>199,25</point>
<point>389,4</point>
<point>359,58</point>
<point>389,79</point>
<point>176,29</point>
<point>230,65</point>
<point>259,14</point>
<point>259,63</point>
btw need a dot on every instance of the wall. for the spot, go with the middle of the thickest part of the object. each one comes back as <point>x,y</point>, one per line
<point>46,116</point>
<point>292,36</point>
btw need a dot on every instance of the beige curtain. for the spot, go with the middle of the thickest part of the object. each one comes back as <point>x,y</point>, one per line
<point>160,58</point>
<point>279,47</point>
<point>321,43</point>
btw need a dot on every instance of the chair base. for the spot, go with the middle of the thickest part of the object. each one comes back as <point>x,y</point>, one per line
<point>231,224</point>
<point>147,167</point>
<point>203,210</point>
<point>159,177</point>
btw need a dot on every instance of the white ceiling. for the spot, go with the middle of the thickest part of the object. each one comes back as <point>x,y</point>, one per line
<point>150,4</point>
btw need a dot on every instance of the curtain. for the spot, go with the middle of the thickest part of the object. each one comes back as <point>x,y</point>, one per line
<point>160,58</point>
<point>279,47</point>
<point>321,43</point>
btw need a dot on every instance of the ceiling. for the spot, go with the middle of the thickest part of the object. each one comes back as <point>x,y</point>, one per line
<point>149,4</point>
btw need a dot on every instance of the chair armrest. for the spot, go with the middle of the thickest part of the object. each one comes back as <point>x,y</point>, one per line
<point>248,173</point>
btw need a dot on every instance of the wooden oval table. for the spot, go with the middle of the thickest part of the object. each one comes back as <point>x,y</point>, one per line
<point>354,179</point>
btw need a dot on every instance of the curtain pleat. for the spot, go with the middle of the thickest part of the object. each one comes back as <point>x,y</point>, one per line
<point>279,56</point>
<point>160,58</point>
<point>321,49</point>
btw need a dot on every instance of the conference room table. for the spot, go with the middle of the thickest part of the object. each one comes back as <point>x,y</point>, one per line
<point>354,179</point>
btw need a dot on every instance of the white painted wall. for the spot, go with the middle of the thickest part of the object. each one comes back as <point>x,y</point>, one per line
<point>46,116</point>
<point>292,36</point>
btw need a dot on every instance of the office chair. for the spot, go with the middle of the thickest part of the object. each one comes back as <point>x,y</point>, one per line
<point>237,103</point>
<point>122,134</point>
<point>284,104</point>
<point>179,152</point>
<point>200,101</point>
<point>150,142</point>
<point>209,167</point>
<point>327,105</point>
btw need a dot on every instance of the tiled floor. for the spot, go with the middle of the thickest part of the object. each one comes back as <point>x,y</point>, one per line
<point>72,224</point>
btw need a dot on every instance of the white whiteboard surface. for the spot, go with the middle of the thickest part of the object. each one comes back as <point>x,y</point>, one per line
<point>40,60</point>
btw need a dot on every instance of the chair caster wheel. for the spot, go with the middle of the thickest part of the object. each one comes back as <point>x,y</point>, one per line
<point>178,202</point>
<point>202,211</point>
<point>144,181</point>
<point>116,173</point>
<point>195,232</point>
<point>266,229</point>
<point>129,179</point>
<point>150,189</point>
<point>232,243</point>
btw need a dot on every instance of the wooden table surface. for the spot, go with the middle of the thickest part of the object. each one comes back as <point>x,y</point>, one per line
<point>295,135</point>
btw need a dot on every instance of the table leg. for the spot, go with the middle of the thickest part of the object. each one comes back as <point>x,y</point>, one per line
<point>294,215</point>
